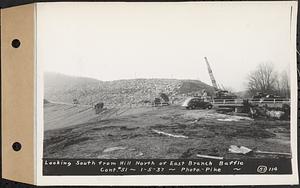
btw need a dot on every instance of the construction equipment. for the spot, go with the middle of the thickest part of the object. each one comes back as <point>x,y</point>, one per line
<point>211,75</point>
<point>260,96</point>
<point>220,93</point>
<point>99,107</point>
<point>75,101</point>
<point>162,100</point>
<point>164,97</point>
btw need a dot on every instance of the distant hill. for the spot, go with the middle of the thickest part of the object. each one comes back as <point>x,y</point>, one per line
<point>63,88</point>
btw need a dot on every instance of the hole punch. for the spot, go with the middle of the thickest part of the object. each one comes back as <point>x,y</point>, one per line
<point>17,146</point>
<point>16,43</point>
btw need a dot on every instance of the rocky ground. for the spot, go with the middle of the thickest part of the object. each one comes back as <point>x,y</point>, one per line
<point>169,132</point>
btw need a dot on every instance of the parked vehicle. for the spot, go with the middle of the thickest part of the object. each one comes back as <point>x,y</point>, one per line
<point>196,103</point>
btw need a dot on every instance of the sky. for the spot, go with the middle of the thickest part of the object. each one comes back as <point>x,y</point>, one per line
<point>111,41</point>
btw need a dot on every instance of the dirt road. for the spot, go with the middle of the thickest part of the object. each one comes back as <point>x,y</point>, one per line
<point>169,132</point>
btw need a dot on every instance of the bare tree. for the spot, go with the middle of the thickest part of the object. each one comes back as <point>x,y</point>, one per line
<point>263,79</point>
<point>285,84</point>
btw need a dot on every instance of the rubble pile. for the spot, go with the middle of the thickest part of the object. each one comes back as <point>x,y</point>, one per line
<point>133,92</point>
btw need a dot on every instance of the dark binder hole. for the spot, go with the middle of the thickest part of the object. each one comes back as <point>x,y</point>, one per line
<point>17,146</point>
<point>15,43</point>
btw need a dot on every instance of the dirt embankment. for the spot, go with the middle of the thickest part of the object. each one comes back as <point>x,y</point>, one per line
<point>62,115</point>
<point>163,132</point>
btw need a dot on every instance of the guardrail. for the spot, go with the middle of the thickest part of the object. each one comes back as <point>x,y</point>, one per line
<point>227,101</point>
<point>270,101</point>
<point>240,102</point>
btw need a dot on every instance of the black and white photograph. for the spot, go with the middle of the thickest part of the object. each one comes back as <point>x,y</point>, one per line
<point>202,81</point>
